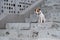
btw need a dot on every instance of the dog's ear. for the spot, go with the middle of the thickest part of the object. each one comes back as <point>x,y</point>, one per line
<point>35,10</point>
<point>39,9</point>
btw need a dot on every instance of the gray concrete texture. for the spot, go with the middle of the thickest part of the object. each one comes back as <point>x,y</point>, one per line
<point>51,12</point>
<point>18,18</point>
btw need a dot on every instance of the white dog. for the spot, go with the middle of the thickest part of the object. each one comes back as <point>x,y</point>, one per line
<point>41,17</point>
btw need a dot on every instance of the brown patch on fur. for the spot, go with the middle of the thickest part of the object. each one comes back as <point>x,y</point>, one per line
<point>37,9</point>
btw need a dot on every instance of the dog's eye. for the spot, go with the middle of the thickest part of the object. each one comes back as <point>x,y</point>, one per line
<point>37,10</point>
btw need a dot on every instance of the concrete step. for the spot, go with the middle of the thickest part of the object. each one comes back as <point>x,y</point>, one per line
<point>44,30</point>
<point>24,34</point>
<point>40,26</point>
<point>28,26</point>
<point>20,26</point>
<point>4,38</point>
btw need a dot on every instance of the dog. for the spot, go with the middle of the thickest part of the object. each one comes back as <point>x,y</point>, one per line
<point>41,17</point>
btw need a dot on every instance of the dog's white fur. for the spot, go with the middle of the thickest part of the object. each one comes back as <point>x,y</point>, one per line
<point>41,17</point>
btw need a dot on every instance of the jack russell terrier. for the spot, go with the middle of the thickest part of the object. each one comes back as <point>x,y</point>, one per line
<point>41,17</point>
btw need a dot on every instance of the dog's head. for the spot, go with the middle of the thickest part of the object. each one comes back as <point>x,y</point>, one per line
<point>37,10</point>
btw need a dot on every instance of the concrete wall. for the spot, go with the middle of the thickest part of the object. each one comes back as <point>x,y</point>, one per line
<point>17,18</point>
<point>12,18</point>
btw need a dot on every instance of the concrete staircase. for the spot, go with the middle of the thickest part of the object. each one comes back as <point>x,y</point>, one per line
<point>30,31</point>
<point>17,18</point>
<point>50,30</point>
